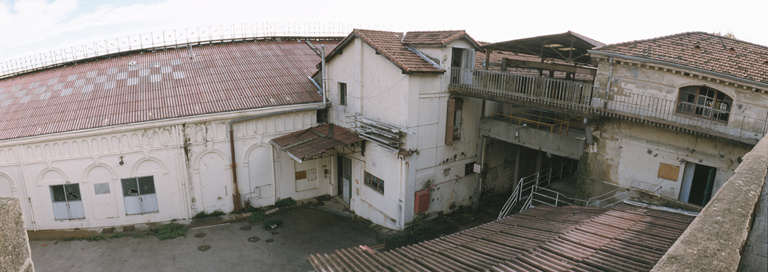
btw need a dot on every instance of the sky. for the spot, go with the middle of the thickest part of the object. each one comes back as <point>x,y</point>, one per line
<point>31,27</point>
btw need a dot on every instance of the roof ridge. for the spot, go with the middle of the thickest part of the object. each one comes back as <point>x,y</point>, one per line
<point>678,34</point>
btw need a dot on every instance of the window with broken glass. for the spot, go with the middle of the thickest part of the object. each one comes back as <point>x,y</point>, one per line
<point>374,182</point>
<point>139,195</point>
<point>704,102</point>
<point>67,202</point>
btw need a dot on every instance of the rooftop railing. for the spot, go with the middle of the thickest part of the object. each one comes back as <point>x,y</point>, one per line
<point>584,97</point>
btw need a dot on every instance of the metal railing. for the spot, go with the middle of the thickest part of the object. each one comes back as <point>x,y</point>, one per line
<point>549,198</point>
<point>583,97</point>
<point>609,199</point>
<point>176,37</point>
<point>526,186</point>
<point>551,124</point>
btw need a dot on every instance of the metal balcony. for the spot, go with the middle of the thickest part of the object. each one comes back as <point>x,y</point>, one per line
<point>583,99</point>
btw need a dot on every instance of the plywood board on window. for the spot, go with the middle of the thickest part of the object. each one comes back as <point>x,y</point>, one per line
<point>668,171</point>
<point>301,174</point>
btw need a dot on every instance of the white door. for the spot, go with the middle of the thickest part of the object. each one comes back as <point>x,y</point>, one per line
<point>215,180</point>
<point>685,187</point>
<point>260,177</point>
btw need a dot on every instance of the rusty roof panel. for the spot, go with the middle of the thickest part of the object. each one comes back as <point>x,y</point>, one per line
<point>701,50</point>
<point>147,86</point>
<point>315,140</point>
<point>541,239</point>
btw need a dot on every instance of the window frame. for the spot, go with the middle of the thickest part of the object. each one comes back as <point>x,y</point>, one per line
<point>373,182</point>
<point>342,93</point>
<point>704,102</point>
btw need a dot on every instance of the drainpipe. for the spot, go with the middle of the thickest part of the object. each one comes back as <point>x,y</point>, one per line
<point>323,73</point>
<point>236,192</point>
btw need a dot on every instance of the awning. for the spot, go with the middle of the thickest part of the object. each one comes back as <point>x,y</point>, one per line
<point>311,143</point>
<point>568,46</point>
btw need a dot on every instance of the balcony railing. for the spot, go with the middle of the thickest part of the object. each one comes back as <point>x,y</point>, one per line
<point>583,97</point>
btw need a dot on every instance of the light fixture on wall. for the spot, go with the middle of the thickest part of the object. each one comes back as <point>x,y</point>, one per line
<point>121,161</point>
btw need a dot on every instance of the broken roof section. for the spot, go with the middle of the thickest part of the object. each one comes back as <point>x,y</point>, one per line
<point>572,238</point>
<point>569,46</point>
<point>303,145</point>
<point>700,50</point>
<point>147,86</point>
<point>398,49</point>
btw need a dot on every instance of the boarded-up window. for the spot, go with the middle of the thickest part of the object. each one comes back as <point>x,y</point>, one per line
<point>101,188</point>
<point>668,171</point>
<point>301,174</point>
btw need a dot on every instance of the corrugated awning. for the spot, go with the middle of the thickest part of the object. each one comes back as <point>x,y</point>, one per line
<point>307,144</point>
<point>568,46</point>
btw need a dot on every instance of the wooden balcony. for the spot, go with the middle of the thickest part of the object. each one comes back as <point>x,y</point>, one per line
<point>584,100</point>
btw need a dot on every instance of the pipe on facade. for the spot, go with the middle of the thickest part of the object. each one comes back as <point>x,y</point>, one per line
<point>236,191</point>
<point>323,73</point>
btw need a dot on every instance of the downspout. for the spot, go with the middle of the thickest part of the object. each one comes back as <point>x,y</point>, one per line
<point>323,73</point>
<point>236,191</point>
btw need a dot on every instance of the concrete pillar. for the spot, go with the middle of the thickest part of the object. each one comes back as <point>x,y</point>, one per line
<point>15,254</point>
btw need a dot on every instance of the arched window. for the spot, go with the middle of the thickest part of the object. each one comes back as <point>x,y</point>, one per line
<point>705,102</point>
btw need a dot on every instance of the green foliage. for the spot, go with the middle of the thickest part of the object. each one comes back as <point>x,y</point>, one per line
<point>117,235</point>
<point>271,224</point>
<point>139,235</point>
<point>285,202</point>
<point>257,216</point>
<point>204,214</point>
<point>95,238</point>
<point>170,231</point>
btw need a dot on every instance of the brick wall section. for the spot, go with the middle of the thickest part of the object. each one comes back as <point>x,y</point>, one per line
<point>15,254</point>
<point>715,239</point>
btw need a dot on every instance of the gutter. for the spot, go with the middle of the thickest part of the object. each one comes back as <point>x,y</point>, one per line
<point>236,191</point>
<point>679,66</point>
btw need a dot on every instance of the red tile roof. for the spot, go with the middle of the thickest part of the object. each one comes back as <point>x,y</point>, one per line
<point>573,238</point>
<point>392,46</point>
<point>701,50</point>
<point>146,86</point>
<point>306,143</point>
<point>436,38</point>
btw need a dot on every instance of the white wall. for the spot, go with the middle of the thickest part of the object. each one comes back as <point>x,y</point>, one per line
<point>189,159</point>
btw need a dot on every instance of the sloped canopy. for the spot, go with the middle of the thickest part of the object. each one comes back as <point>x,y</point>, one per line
<point>305,144</point>
<point>568,46</point>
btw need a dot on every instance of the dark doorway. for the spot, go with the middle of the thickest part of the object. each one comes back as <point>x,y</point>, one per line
<point>698,182</point>
<point>344,180</point>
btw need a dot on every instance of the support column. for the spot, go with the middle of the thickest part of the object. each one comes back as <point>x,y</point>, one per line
<point>479,186</point>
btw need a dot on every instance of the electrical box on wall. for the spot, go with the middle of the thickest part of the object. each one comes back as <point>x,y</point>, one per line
<point>422,201</point>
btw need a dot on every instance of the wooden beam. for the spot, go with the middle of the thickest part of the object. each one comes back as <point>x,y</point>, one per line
<point>548,66</point>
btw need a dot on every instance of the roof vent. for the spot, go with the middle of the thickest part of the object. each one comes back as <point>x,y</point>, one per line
<point>192,56</point>
<point>697,46</point>
<point>765,62</point>
<point>732,50</point>
<point>132,63</point>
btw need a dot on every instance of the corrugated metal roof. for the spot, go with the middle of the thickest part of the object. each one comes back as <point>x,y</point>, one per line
<point>146,86</point>
<point>309,142</point>
<point>573,238</point>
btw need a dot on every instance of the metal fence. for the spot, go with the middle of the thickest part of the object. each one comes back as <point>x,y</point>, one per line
<point>583,97</point>
<point>173,38</point>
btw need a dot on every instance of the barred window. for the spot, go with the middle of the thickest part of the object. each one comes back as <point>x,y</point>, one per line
<point>342,93</point>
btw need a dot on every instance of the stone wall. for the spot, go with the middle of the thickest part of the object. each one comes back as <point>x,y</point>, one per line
<point>15,254</point>
<point>715,239</point>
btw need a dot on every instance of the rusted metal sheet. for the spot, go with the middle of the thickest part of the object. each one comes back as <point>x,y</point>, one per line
<point>315,140</point>
<point>541,239</point>
<point>147,86</point>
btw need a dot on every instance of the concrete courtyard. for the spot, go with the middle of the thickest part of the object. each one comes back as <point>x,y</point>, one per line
<point>237,246</point>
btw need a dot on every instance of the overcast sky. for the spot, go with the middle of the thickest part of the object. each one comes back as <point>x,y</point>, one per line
<point>30,27</point>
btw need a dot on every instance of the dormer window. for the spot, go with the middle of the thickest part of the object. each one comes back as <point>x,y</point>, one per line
<point>704,102</point>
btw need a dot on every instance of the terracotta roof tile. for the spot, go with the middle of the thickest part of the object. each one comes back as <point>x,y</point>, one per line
<point>572,238</point>
<point>701,50</point>
<point>436,38</point>
<point>388,44</point>
<point>149,86</point>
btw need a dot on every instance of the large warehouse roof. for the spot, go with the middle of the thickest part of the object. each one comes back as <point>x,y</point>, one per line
<point>146,86</point>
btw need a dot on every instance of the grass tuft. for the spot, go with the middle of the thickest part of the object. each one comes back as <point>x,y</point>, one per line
<point>170,231</point>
